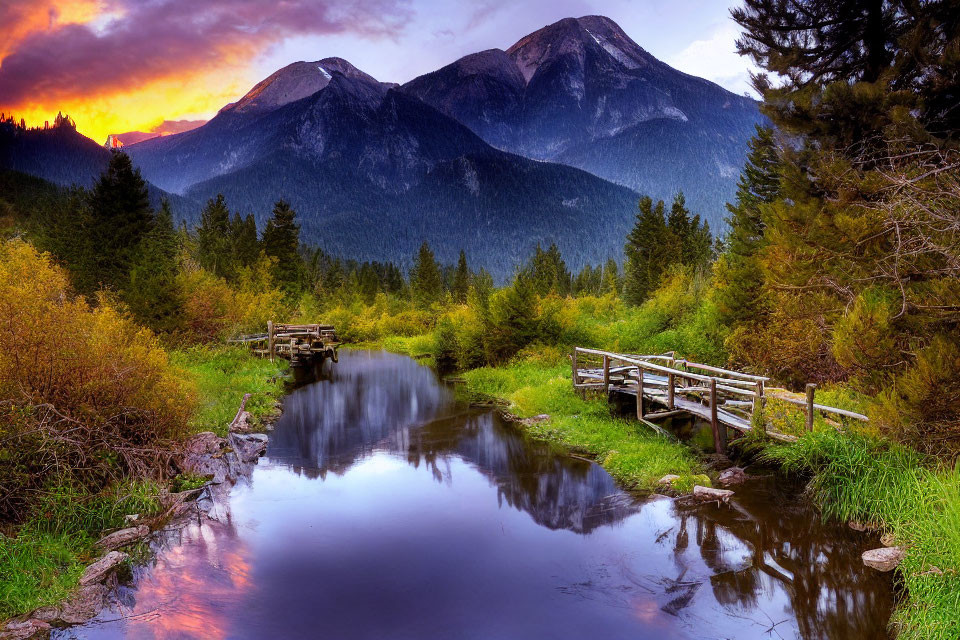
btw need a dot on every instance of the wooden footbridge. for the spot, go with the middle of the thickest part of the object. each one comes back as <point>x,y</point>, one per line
<point>666,386</point>
<point>301,344</point>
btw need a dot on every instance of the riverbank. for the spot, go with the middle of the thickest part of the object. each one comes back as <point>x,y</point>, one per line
<point>42,560</point>
<point>853,476</point>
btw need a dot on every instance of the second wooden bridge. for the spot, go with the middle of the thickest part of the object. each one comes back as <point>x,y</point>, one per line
<point>727,399</point>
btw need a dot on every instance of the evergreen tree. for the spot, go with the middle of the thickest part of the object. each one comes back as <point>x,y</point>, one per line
<point>243,240</point>
<point>646,251</point>
<point>611,278</point>
<point>548,272</point>
<point>513,320</point>
<point>281,241</point>
<point>152,292</point>
<point>461,280</point>
<point>120,217</point>
<point>426,280</point>
<point>740,278</point>
<point>214,239</point>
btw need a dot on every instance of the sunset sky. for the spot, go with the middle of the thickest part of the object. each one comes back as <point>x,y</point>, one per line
<point>122,65</point>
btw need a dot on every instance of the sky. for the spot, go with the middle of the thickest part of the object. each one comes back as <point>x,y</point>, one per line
<point>124,65</point>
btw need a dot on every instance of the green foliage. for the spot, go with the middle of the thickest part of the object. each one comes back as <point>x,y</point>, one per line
<point>152,292</point>
<point>535,385</point>
<point>513,320</point>
<point>426,281</point>
<point>281,242</point>
<point>548,272</point>
<point>214,252</point>
<point>657,242</point>
<point>461,280</point>
<point>222,376</point>
<point>858,477</point>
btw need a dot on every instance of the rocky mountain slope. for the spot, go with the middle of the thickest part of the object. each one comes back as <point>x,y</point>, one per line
<point>582,93</point>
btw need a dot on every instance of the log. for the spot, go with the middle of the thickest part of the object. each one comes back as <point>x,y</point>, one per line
<point>811,388</point>
<point>707,494</point>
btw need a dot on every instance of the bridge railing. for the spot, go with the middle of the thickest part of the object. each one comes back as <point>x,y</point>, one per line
<point>723,391</point>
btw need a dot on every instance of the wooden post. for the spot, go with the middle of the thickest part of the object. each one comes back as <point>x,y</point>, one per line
<point>270,345</point>
<point>640,395</point>
<point>670,391</point>
<point>758,398</point>
<point>573,366</point>
<point>810,389</point>
<point>606,374</point>
<point>719,431</point>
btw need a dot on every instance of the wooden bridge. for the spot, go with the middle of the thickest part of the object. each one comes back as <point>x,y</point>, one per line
<point>301,344</point>
<point>726,399</point>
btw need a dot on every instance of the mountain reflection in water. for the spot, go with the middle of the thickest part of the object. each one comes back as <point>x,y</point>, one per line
<point>383,509</point>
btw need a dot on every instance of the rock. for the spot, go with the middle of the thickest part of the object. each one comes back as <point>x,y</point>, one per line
<point>888,540</point>
<point>203,456</point>
<point>130,518</point>
<point>85,604</point>
<point>884,558</point>
<point>861,526</point>
<point>23,629</point>
<point>706,494</point>
<point>99,569</point>
<point>249,446</point>
<point>668,479</point>
<point>47,614</point>
<point>123,537</point>
<point>731,476</point>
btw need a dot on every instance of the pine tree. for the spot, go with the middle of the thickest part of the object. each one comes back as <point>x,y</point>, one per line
<point>461,280</point>
<point>646,250</point>
<point>739,289</point>
<point>281,241</point>
<point>611,278</point>
<point>513,319</point>
<point>245,247</point>
<point>120,217</point>
<point>214,234</point>
<point>426,280</point>
<point>152,292</point>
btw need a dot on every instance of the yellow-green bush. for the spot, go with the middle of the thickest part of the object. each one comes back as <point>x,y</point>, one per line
<point>86,394</point>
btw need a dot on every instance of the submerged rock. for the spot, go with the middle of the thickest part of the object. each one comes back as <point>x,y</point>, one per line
<point>884,558</point>
<point>731,476</point>
<point>99,569</point>
<point>123,537</point>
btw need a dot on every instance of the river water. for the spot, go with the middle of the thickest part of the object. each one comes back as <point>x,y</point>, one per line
<point>385,509</point>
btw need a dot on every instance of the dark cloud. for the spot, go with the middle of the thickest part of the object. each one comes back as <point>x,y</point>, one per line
<point>158,39</point>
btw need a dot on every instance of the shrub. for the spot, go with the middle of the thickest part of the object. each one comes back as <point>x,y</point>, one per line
<point>87,396</point>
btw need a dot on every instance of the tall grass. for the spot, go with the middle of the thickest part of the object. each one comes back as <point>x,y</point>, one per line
<point>860,477</point>
<point>222,375</point>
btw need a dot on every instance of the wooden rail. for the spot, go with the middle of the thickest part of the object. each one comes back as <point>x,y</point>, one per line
<point>298,343</point>
<point>727,399</point>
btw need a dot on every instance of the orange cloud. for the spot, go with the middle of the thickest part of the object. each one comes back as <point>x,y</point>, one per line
<point>120,65</point>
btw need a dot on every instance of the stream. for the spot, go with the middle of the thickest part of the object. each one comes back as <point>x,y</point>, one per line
<point>383,508</point>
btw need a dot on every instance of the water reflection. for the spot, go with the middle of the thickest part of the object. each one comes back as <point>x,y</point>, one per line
<point>384,509</point>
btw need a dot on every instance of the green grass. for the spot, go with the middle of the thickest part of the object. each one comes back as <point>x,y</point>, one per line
<point>222,375</point>
<point>41,564</point>
<point>633,455</point>
<point>859,477</point>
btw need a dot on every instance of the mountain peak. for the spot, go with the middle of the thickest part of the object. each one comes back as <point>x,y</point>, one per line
<point>294,82</point>
<point>574,37</point>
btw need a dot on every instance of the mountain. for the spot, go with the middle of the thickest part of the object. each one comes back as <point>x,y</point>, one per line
<point>373,172</point>
<point>582,93</point>
<point>165,128</point>
<point>65,157</point>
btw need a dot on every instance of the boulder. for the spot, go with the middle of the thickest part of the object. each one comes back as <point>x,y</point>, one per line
<point>99,569</point>
<point>731,476</point>
<point>884,558</point>
<point>123,537</point>
<point>249,446</point>
<point>706,494</point>
<point>23,629</point>
<point>86,603</point>
<point>203,456</point>
<point>47,614</point>
<point>668,479</point>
